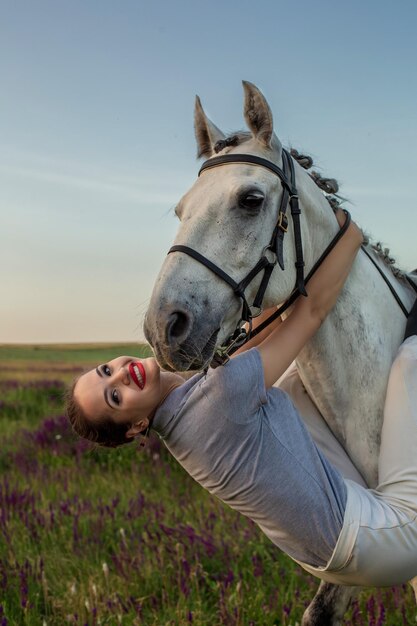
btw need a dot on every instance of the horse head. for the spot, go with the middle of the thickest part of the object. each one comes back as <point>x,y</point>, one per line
<point>228,216</point>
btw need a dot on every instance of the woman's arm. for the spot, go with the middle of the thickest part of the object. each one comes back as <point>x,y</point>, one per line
<point>285,342</point>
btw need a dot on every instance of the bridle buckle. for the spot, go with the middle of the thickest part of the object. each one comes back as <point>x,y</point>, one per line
<point>283,222</point>
<point>221,355</point>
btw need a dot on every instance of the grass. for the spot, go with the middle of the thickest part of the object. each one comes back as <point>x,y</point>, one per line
<point>69,353</point>
<point>40,362</point>
<point>125,536</point>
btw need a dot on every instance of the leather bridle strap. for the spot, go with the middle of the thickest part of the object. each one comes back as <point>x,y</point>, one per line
<point>295,213</point>
<point>293,297</point>
<point>388,283</point>
<point>248,158</point>
<point>209,264</point>
<point>289,196</point>
<point>238,288</point>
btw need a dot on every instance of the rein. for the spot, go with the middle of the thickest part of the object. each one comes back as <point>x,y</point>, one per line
<point>389,285</point>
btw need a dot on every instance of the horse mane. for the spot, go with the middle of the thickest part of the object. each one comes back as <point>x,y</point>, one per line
<point>329,186</point>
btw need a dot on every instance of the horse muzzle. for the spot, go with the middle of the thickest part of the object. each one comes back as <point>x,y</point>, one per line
<point>177,343</point>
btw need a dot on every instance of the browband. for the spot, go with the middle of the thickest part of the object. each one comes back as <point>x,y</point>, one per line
<point>253,160</point>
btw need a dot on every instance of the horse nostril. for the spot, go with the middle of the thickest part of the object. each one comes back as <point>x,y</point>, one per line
<point>178,326</point>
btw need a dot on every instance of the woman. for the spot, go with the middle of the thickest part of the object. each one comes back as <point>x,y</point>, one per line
<point>245,442</point>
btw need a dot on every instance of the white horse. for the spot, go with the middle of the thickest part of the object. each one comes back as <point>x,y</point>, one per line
<point>228,216</point>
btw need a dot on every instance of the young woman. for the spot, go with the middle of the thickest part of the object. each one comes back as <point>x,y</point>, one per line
<point>244,441</point>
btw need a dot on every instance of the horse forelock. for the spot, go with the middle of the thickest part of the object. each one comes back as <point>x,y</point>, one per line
<point>240,137</point>
<point>231,141</point>
<point>220,145</point>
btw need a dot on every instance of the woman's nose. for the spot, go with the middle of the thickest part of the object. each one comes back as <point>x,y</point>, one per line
<point>122,375</point>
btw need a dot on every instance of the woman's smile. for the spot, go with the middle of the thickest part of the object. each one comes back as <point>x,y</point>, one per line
<point>137,373</point>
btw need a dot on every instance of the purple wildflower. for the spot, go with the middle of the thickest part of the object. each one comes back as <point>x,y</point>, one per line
<point>370,607</point>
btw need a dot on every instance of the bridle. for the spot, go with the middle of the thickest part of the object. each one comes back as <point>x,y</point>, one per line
<point>271,254</point>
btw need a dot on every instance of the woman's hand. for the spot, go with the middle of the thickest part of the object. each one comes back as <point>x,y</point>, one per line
<point>354,230</point>
<point>340,216</point>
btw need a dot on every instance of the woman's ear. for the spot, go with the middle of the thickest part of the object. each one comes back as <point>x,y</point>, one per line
<point>137,428</point>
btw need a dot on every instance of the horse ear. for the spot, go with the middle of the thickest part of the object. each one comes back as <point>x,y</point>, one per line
<point>257,114</point>
<point>206,133</point>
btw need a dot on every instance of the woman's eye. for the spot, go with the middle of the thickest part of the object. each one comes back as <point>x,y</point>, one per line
<point>115,396</point>
<point>251,201</point>
<point>106,370</point>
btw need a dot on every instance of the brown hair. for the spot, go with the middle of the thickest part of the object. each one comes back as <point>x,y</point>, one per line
<point>104,433</point>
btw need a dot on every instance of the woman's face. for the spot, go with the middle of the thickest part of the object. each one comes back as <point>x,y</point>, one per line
<point>125,390</point>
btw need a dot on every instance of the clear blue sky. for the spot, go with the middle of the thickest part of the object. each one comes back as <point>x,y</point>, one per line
<point>97,140</point>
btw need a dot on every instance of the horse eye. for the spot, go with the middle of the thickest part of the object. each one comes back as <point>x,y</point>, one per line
<point>251,201</point>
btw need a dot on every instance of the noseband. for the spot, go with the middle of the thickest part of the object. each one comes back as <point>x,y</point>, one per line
<point>271,254</point>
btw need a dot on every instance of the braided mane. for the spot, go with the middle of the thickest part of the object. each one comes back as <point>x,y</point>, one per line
<point>329,186</point>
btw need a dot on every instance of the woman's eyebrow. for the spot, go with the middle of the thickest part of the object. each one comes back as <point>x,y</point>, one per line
<point>99,373</point>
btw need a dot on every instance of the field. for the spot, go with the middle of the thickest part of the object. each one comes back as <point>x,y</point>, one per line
<point>91,537</point>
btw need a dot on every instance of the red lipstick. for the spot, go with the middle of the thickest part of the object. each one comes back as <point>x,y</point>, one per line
<point>137,373</point>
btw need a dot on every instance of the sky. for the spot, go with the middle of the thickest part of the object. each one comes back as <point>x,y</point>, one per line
<point>97,142</point>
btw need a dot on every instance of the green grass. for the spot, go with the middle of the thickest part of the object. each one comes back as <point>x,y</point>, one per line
<point>69,353</point>
<point>125,536</point>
